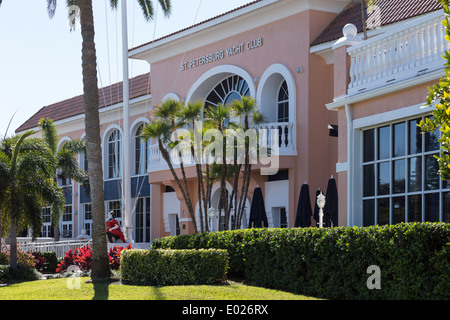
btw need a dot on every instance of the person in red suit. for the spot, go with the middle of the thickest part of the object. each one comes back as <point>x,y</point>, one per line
<point>113,229</point>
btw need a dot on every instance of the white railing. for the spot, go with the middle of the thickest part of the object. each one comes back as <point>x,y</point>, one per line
<point>285,133</point>
<point>157,163</point>
<point>58,247</point>
<point>286,146</point>
<point>408,51</point>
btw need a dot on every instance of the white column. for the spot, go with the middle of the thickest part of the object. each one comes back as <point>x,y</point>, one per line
<point>126,174</point>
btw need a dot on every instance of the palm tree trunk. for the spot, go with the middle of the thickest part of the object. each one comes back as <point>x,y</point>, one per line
<point>100,261</point>
<point>13,245</point>
<point>363,19</point>
<point>184,192</point>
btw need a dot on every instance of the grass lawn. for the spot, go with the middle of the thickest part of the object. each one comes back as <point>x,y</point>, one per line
<point>60,289</point>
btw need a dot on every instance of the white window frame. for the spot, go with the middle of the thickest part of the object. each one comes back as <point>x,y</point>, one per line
<point>144,219</point>
<point>375,121</point>
<point>68,223</point>
<point>119,146</point>
<point>46,225</point>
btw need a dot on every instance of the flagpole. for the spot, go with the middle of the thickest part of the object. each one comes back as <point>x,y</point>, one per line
<point>126,174</point>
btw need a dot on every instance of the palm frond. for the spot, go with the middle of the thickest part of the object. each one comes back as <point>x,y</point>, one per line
<point>147,9</point>
<point>168,109</point>
<point>51,8</point>
<point>191,112</point>
<point>257,117</point>
<point>114,3</point>
<point>17,147</point>
<point>243,107</point>
<point>158,129</point>
<point>166,6</point>
<point>49,133</point>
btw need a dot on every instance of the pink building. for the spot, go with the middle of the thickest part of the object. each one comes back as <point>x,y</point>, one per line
<point>348,109</point>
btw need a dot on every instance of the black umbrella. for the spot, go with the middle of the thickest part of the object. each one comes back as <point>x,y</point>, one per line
<point>258,211</point>
<point>330,211</point>
<point>316,208</point>
<point>304,211</point>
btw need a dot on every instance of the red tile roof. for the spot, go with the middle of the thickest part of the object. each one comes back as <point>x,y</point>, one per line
<point>108,96</point>
<point>391,11</point>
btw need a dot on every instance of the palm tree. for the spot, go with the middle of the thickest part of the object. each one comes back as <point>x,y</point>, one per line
<point>26,177</point>
<point>246,109</point>
<point>167,121</point>
<point>219,116</point>
<point>64,158</point>
<point>100,262</point>
<point>190,114</point>
<point>366,5</point>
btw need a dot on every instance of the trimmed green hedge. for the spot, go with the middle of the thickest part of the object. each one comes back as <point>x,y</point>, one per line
<point>414,259</point>
<point>174,267</point>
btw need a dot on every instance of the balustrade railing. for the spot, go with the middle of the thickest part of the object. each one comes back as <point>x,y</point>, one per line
<point>285,136</point>
<point>59,247</point>
<point>407,51</point>
<point>286,146</point>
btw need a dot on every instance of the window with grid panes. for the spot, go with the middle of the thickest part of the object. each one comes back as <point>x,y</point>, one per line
<point>142,229</point>
<point>401,181</point>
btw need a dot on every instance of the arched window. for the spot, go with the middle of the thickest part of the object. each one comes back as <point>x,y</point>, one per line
<point>283,103</point>
<point>114,147</point>
<point>229,89</point>
<point>141,152</point>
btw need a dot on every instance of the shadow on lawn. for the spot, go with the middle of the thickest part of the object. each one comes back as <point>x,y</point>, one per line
<point>101,288</point>
<point>101,291</point>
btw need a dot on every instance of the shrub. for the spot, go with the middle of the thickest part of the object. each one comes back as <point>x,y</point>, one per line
<point>4,273</point>
<point>45,261</point>
<point>23,258</point>
<point>82,257</point>
<point>39,261</point>
<point>4,258</point>
<point>114,256</point>
<point>22,273</point>
<point>174,267</point>
<point>332,263</point>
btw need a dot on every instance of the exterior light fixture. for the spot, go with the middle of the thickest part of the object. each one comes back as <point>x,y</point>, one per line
<point>333,130</point>
<point>321,204</point>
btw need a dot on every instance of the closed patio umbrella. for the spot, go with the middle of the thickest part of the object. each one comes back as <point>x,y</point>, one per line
<point>304,211</point>
<point>316,208</point>
<point>330,210</point>
<point>258,217</point>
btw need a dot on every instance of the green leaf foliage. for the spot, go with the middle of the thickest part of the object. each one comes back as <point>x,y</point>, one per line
<point>439,99</point>
<point>332,263</point>
<point>174,267</point>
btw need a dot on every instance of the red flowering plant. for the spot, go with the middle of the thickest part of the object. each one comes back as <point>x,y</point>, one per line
<point>39,261</point>
<point>82,257</point>
<point>114,256</point>
<point>68,260</point>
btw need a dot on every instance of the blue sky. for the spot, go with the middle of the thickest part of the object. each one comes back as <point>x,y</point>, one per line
<point>40,59</point>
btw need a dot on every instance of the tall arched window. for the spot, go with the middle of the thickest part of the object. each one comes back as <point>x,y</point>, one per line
<point>141,152</point>
<point>229,89</point>
<point>114,147</point>
<point>283,103</point>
